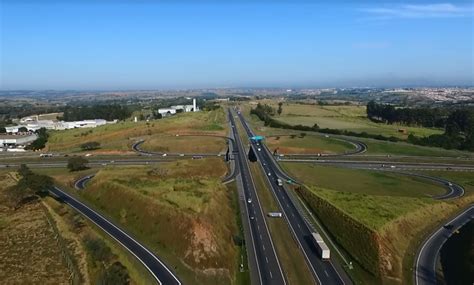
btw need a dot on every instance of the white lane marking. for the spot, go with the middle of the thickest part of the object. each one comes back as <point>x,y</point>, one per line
<point>266,259</point>
<point>325,272</point>
<point>108,222</point>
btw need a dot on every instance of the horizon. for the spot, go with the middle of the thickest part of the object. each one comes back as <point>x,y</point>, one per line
<point>181,46</point>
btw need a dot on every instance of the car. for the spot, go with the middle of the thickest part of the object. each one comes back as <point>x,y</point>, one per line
<point>104,164</point>
<point>259,149</point>
<point>164,154</point>
<point>269,174</point>
<point>181,154</point>
<point>450,184</point>
<point>249,200</point>
<point>87,155</point>
<point>264,164</point>
<point>448,227</point>
<point>392,166</point>
<point>252,217</point>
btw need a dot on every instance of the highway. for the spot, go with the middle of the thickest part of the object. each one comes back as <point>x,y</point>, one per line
<point>381,164</point>
<point>323,271</point>
<point>425,266</point>
<point>157,268</point>
<point>267,263</point>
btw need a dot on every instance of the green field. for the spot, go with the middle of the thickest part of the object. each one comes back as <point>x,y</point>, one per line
<point>120,136</point>
<point>307,144</point>
<point>379,218</point>
<point>368,182</point>
<point>184,144</point>
<point>375,147</point>
<point>352,118</point>
<point>405,149</point>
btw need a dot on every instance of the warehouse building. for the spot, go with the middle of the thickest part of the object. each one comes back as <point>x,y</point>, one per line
<point>14,141</point>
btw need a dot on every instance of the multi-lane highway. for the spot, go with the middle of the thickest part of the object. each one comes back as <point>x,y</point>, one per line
<point>157,268</point>
<point>267,263</point>
<point>425,266</point>
<point>324,271</point>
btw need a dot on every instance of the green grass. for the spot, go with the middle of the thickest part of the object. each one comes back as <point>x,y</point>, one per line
<point>120,136</point>
<point>352,118</point>
<point>371,210</point>
<point>184,144</point>
<point>369,182</point>
<point>405,149</point>
<point>308,144</point>
<point>375,147</point>
<point>186,196</point>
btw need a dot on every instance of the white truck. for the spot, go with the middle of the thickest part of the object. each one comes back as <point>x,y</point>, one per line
<point>275,214</point>
<point>279,182</point>
<point>321,246</point>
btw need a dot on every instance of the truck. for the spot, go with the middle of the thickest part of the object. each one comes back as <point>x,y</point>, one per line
<point>322,248</point>
<point>275,214</point>
<point>279,182</point>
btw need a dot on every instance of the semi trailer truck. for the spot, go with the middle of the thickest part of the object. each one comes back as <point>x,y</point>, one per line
<point>321,246</point>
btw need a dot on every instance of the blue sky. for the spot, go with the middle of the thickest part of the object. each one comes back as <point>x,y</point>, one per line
<point>180,44</point>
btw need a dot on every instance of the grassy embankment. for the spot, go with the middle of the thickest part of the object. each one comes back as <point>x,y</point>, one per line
<point>378,218</point>
<point>178,209</point>
<point>375,147</point>
<point>48,263</point>
<point>120,136</point>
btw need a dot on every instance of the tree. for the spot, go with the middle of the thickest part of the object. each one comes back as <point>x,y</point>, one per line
<point>22,129</point>
<point>77,163</point>
<point>279,108</point>
<point>90,145</point>
<point>30,181</point>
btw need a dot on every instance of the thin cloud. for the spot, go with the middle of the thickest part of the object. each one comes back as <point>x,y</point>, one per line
<point>440,10</point>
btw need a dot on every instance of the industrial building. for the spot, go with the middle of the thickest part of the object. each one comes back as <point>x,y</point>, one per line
<point>16,141</point>
<point>32,125</point>
<point>174,109</point>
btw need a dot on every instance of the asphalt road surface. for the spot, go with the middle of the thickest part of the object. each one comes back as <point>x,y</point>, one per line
<point>324,271</point>
<point>157,268</point>
<point>268,265</point>
<point>425,267</point>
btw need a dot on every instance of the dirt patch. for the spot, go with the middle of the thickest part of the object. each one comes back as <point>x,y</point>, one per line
<point>29,253</point>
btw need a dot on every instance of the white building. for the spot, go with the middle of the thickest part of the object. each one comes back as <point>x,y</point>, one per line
<point>167,111</point>
<point>61,125</point>
<point>16,140</point>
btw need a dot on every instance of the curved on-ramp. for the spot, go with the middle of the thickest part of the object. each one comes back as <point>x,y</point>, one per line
<point>161,273</point>
<point>426,260</point>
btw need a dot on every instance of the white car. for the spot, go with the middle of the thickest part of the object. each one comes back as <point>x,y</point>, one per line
<point>269,174</point>
<point>259,149</point>
<point>249,200</point>
<point>164,154</point>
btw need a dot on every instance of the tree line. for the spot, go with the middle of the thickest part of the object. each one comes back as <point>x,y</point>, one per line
<point>265,113</point>
<point>458,124</point>
<point>425,117</point>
